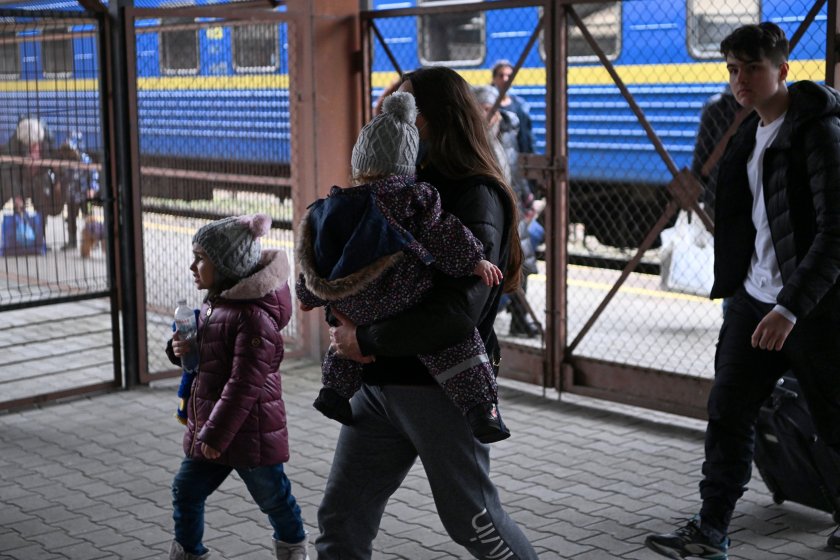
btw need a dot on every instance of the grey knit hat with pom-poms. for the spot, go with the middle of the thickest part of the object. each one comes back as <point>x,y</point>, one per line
<point>233,243</point>
<point>387,145</point>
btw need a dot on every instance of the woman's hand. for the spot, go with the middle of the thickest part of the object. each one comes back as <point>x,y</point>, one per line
<point>209,452</point>
<point>343,340</point>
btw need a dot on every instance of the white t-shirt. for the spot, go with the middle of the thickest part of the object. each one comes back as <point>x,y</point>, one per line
<point>764,281</point>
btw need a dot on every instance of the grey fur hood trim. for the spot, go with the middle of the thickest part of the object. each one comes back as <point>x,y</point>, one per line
<point>272,272</point>
<point>340,288</point>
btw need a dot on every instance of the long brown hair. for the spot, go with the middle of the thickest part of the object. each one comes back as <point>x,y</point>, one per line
<point>458,143</point>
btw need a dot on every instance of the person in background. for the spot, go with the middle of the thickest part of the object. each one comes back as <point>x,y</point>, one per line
<point>31,180</point>
<point>503,127</point>
<point>502,72</point>
<point>717,124</point>
<point>81,186</point>
<point>777,257</point>
<point>236,418</point>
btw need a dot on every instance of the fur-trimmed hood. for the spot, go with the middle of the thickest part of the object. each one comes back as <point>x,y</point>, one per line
<point>349,239</point>
<point>272,272</point>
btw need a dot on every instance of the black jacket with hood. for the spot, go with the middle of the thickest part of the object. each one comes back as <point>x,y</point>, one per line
<point>455,305</point>
<point>801,172</point>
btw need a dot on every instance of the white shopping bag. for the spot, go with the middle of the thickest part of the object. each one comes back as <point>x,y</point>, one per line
<point>687,257</point>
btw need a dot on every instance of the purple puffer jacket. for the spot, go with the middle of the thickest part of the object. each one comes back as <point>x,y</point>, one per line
<point>236,403</point>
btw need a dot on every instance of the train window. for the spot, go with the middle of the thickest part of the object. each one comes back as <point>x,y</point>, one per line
<point>604,24</point>
<point>255,48</point>
<point>179,46</point>
<point>709,21</point>
<point>57,53</point>
<point>456,39</point>
<point>603,20</point>
<point>9,56</point>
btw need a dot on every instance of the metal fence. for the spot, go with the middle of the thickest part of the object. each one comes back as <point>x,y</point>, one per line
<point>57,285</point>
<point>214,129</point>
<point>639,94</point>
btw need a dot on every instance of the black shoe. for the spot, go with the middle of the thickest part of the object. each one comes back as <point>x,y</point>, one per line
<point>332,405</point>
<point>486,423</point>
<point>834,539</point>
<point>527,328</point>
<point>70,245</point>
<point>688,542</point>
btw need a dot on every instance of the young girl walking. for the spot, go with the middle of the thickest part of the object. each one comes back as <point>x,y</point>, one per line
<point>370,251</point>
<point>236,418</point>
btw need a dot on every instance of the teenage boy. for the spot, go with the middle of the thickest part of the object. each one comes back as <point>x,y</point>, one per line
<point>777,256</point>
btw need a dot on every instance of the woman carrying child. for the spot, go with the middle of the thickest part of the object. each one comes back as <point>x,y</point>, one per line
<point>362,247</point>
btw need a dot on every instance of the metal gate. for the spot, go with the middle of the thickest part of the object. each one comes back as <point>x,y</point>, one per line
<point>617,91</point>
<point>210,138</point>
<point>59,317</point>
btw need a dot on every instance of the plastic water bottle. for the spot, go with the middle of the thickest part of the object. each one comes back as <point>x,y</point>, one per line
<point>187,330</point>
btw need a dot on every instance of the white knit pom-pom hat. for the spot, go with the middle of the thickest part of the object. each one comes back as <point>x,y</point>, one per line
<point>388,144</point>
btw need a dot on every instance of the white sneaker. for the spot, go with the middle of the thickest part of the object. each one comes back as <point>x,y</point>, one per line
<point>292,551</point>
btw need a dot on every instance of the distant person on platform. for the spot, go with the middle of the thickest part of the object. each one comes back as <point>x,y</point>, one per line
<point>716,121</point>
<point>31,180</point>
<point>502,72</point>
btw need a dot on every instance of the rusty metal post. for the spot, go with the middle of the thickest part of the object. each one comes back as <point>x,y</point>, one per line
<point>325,106</point>
<point>125,179</point>
<point>832,43</point>
<point>556,258</point>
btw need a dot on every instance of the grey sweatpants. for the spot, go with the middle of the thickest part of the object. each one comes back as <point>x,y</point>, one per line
<point>392,426</point>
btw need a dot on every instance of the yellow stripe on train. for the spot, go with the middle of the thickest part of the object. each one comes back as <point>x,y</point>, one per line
<point>690,73</point>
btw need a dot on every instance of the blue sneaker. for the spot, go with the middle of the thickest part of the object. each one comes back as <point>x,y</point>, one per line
<point>688,542</point>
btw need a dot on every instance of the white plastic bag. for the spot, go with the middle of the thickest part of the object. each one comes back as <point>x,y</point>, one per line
<point>687,257</point>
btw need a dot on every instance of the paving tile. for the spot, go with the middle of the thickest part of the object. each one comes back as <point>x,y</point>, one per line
<point>581,481</point>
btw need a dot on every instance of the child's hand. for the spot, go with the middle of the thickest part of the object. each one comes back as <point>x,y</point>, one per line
<point>180,347</point>
<point>209,452</point>
<point>488,272</point>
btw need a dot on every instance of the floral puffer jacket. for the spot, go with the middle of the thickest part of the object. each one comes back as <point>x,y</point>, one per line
<point>236,403</point>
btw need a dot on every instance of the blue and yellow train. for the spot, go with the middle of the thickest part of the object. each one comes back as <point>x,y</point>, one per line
<point>210,93</point>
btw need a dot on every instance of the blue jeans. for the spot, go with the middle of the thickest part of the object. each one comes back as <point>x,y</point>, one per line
<point>536,232</point>
<point>269,487</point>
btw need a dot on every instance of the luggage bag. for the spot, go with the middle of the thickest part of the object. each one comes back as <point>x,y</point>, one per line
<point>22,234</point>
<point>793,461</point>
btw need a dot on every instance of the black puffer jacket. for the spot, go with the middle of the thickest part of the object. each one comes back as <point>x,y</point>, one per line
<point>454,306</point>
<point>802,196</point>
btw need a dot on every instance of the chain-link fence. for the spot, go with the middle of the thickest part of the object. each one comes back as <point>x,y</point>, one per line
<point>484,46</point>
<point>624,151</point>
<point>214,140</point>
<point>677,76</point>
<point>56,284</point>
<point>51,189</point>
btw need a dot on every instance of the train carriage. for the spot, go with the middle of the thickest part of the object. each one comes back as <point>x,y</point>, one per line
<point>214,96</point>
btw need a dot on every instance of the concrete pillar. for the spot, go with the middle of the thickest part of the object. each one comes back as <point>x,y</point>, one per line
<point>326,107</point>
